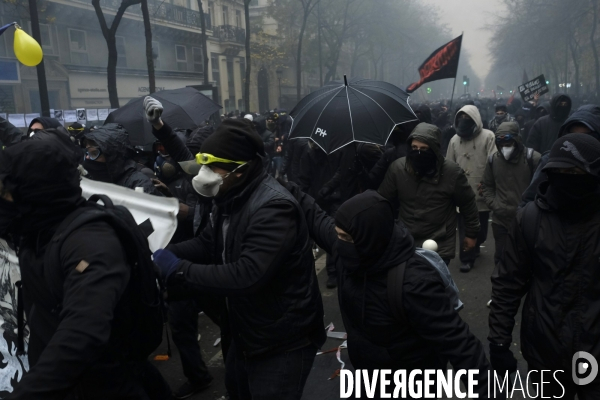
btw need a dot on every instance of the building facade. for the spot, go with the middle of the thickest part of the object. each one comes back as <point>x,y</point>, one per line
<point>76,54</point>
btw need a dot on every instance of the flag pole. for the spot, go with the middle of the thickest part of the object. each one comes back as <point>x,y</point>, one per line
<point>452,98</point>
<point>454,86</point>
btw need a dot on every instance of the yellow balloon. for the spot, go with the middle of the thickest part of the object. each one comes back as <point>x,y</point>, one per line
<point>27,49</point>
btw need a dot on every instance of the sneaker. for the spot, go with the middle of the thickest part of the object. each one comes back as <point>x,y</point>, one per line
<point>466,267</point>
<point>331,282</point>
<point>189,389</point>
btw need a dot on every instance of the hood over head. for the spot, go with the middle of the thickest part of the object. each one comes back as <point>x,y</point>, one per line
<point>113,141</point>
<point>369,219</point>
<point>423,112</point>
<point>473,112</point>
<point>46,122</point>
<point>260,124</point>
<point>510,128</point>
<point>588,115</point>
<point>428,134</point>
<point>42,175</point>
<point>556,99</point>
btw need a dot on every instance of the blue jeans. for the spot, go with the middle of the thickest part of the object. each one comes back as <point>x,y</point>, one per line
<point>276,377</point>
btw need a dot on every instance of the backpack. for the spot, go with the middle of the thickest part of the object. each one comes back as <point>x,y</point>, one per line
<point>144,283</point>
<point>395,281</point>
<point>529,158</point>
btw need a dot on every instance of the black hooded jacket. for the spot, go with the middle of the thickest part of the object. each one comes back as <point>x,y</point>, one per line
<point>113,141</point>
<point>424,113</point>
<point>559,272</point>
<point>81,343</point>
<point>545,130</point>
<point>588,115</point>
<point>435,332</point>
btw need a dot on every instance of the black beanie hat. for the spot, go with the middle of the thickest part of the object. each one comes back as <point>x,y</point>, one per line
<point>235,140</point>
<point>575,150</point>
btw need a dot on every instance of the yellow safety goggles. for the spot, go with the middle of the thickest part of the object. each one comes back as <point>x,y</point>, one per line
<point>205,158</point>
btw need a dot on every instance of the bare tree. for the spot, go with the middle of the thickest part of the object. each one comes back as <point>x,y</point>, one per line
<point>203,39</point>
<point>307,7</point>
<point>248,59</point>
<point>111,42</point>
<point>149,53</point>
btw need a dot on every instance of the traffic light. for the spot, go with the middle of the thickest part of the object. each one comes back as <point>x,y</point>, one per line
<point>428,90</point>
<point>465,80</point>
<point>547,82</point>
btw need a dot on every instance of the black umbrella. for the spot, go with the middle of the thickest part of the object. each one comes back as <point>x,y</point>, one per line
<point>183,108</point>
<point>340,113</point>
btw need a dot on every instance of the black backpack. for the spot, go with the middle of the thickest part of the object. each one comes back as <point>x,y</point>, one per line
<point>144,284</point>
<point>529,158</point>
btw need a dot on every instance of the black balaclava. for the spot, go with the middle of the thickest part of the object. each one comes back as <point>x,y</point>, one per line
<point>558,113</point>
<point>466,127</point>
<point>369,219</point>
<point>47,122</point>
<point>41,175</point>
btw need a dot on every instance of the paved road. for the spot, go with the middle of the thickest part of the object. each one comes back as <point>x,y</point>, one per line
<point>475,290</point>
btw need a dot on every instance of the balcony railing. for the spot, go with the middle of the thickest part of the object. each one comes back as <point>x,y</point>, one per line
<point>159,10</point>
<point>230,33</point>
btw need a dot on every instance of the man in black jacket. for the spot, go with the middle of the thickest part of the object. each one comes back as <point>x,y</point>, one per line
<point>369,243</point>
<point>545,130</point>
<point>551,255</point>
<point>256,252</point>
<point>585,120</point>
<point>80,346</point>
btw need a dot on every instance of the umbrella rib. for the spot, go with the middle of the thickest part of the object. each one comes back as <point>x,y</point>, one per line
<point>350,111</point>
<point>321,113</point>
<point>312,101</point>
<point>374,101</point>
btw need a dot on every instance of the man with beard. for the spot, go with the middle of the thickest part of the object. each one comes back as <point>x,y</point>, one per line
<point>426,333</point>
<point>470,149</point>
<point>425,174</point>
<point>256,252</point>
<point>585,120</point>
<point>501,116</point>
<point>80,306</point>
<point>545,130</point>
<point>551,255</point>
<point>507,175</point>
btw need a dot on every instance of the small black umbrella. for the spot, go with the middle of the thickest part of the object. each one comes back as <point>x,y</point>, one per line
<point>183,108</point>
<point>340,113</point>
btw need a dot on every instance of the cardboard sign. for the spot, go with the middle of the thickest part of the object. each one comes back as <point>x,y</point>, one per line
<point>58,115</point>
<point>70,115</point>
<point>81,116</point>
<point>92,114</point>
<point>536,85</point>
<point>102,114</point>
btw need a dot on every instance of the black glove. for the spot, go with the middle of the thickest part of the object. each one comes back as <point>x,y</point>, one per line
<point>502,359</point>
<point>324,192</point>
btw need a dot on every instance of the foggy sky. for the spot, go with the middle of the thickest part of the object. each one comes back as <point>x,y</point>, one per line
<point>470,16</point>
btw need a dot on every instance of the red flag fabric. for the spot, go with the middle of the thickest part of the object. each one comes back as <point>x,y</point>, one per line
<point>441,64</point>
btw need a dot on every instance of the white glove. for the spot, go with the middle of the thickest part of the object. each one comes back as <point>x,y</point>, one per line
<point>153,109</point>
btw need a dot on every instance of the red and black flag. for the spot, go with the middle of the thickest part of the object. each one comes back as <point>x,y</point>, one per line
<point>441,64</point>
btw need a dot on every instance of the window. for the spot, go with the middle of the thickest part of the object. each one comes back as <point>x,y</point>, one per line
<point>216,76</point>
<point>78,47</point>
<point>211,12</point>
<point>181,56</point>
<point>121,55</point>
<point>225,15</point>
<point>47,39</point>
<point>238,18</point>
<point>198,60</point>
<point>231,83</point>
<point>156,54</point>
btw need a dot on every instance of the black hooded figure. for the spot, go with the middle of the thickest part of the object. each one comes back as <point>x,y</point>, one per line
<point>81,345</point>
<point>545,130</point>
<point>369,243</point>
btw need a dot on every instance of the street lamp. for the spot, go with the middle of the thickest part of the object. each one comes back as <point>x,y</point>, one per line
<point>279,73</point>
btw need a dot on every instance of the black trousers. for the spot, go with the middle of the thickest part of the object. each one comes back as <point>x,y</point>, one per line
<point>183,320</point>
<point>500,235</point>
<point>471,255</point>
<point>275,377</point>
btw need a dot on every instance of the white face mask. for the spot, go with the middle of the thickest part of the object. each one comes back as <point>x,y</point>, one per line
<point>208,182</point>
<point>507,152</point>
